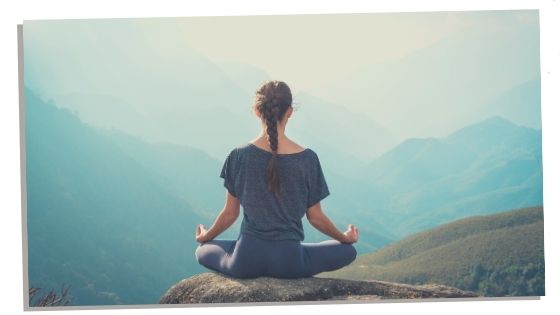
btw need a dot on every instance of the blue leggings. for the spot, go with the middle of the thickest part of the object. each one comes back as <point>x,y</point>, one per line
<point>251,257</point>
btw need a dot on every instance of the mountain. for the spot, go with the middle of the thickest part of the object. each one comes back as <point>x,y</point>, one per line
<point>493,255</point>
<point>492,165</point>
<point>520,104</point>
<point>182,170</point>
<point>97,219</point>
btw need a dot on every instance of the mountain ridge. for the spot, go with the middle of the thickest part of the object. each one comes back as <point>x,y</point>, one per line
<point>488,165</point>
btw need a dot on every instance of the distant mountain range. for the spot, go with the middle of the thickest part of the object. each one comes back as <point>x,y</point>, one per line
<point>494,255</point>
<point>97,218</point>
<point>493,165</point>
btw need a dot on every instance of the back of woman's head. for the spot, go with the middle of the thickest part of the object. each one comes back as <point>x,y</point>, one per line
<point>272,100</point>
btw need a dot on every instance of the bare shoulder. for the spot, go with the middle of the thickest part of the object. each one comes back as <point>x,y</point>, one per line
<point>293,146</point>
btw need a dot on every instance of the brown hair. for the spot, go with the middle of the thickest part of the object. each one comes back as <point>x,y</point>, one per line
<point>272,100</point>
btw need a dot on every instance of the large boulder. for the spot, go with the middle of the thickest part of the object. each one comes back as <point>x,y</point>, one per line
<point>218,288</point>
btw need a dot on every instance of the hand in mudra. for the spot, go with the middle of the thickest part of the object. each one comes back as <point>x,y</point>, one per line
<point>351,234</point>
<point>200,234</point>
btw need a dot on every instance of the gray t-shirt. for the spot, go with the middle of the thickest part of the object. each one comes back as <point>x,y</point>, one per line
<point>264,215</point>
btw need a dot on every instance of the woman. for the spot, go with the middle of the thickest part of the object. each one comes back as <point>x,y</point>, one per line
<point>277,182</point>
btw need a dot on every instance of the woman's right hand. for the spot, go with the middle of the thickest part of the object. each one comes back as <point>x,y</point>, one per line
<point>200,234</point>
<point>351,234</point>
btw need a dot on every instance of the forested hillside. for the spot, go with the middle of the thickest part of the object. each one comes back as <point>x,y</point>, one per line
<point>495,255</point>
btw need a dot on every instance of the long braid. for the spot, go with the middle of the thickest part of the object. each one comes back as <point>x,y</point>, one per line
<point>272,131</point>
<point>273,99</point>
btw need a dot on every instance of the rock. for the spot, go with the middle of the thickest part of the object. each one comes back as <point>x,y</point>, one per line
<point>217,288</point>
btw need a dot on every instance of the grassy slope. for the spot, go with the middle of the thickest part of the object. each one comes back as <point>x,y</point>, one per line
<point>449,252</point>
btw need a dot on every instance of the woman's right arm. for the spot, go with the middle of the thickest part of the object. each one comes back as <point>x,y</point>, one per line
<point>224,220</point>
<point>322,223</point>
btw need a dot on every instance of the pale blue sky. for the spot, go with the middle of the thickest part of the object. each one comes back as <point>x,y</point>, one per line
<point>309,50</point>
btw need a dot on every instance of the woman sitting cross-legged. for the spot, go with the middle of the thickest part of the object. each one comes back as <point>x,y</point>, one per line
<point>277,182</point>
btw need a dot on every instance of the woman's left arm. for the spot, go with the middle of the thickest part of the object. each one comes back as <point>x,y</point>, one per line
<point>224,220</point>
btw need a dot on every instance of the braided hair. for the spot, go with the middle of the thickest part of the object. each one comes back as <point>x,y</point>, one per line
<point>272,100</point>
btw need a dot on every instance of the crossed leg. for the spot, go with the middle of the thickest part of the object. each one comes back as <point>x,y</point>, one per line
<point>227,257</point>
<point>328,255</point>
<point>214,254</point>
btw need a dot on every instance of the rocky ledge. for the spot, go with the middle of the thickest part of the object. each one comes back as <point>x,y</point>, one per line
<point>217,288</point>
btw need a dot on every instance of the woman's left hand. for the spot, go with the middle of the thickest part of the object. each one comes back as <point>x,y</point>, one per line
<point>351,234</point>
<point>200,234</point>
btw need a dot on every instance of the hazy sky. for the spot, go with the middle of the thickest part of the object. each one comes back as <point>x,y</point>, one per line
<point>309,50</point>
